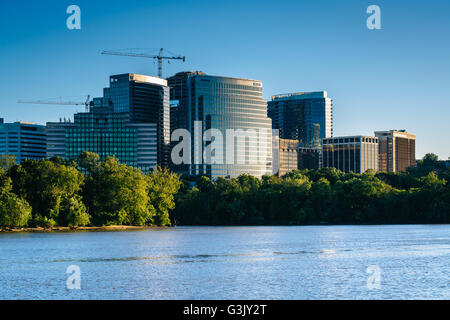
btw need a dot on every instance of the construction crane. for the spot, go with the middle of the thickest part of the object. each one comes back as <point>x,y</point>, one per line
<point>87,103</point>
<point>160,57</point>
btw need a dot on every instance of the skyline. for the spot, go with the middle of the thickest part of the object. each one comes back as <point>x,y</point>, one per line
<point>378,79</point>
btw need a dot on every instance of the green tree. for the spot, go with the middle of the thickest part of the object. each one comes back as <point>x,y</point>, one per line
<point>163,185</point>
<point>115,193</point>
<point>45,184</point>
<point>14,211</point>
<point>7,161</point>
<point>73,212</point>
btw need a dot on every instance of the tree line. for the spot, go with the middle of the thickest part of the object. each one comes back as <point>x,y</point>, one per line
<point>90,191</point>
<point>323,196</point>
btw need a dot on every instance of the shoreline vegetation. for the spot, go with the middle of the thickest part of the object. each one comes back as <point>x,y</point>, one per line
<point>79,229</point>
<point>90,194</point>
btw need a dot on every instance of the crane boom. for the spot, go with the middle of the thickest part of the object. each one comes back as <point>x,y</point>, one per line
<point>86,103</point>
<point>158,57</point>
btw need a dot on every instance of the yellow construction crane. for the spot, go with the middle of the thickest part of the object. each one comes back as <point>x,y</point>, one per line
<point>159,57</point>
<point>87,103</point>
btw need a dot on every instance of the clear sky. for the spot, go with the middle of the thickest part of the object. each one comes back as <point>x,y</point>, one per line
<point>394,78</point>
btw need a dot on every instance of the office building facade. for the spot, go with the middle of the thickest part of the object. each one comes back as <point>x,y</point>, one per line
<point>229,106</point>
<point>22,140</point>
<point>179,99</point>
<point>309,158</point>
<point>350,154</point>
<point>107,133</point>
<point>397,150</point>
<point>146,100</point>
<point>304,116</point>
<point>285,156</point>
<point>179,109</point>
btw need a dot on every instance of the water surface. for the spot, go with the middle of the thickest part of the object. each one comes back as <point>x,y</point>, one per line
<point>319,262</point>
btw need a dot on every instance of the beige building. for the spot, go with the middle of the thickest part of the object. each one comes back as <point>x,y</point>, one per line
<point>350,154</point>
<point>288,156</point>
<point>397,149</point>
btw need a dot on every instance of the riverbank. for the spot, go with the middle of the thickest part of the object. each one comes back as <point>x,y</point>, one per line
<point>71,229</point>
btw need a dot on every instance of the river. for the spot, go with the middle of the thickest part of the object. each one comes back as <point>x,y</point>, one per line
<point>305,262</point>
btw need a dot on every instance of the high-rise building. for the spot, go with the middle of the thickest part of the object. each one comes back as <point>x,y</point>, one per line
<point>23,140</point>
<point>179,99</point>
<point>304,116</point>
<point>107,133</point>
<point>146,99</point>
<point>397,150</point>
<point>179,109</point>
<point>221,108</point>
<point>350,154</point>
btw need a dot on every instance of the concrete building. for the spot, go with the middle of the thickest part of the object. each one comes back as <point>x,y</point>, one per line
<point>226,105</point>
<point>303,116</point>
<point>397,150</point>
<point>350,154</point>
<point>23,140</point>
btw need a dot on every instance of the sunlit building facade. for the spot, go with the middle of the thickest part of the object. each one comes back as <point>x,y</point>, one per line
<point>146,100</point>
<point>350,154</point>
<point>107,133</point>
<point>397,150</point>
<point>229,104</point>
<point>23,140</point>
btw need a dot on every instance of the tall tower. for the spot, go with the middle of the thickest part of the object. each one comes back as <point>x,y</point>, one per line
<point>146,100</point>
<point>304,116</point>
<point>229,105</point>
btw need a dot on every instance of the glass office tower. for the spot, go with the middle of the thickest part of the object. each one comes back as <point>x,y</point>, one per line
<point>179,99</point>
<point>179,109</point>
<point>304,116</point>
<point>23,140</point>
<point>107,133</point>
<point>231,107</point>
<point>146,99</point>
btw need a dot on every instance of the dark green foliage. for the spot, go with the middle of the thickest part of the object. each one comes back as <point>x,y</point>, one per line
<point>316,197</point>
<point>54,192</point>
<point>45,184</point>
<point>14,211</point>
<point>63,193</point>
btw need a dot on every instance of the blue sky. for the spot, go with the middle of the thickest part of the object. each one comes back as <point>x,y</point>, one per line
<point>394,78</point>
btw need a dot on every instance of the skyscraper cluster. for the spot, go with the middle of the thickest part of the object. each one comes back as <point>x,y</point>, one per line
<point>220,127</point>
